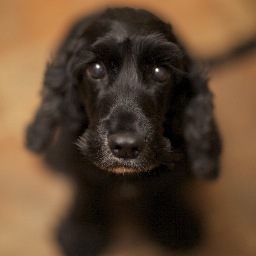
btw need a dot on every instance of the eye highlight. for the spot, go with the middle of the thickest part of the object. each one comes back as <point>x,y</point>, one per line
<point>96,71</point>
<point>160,73</point>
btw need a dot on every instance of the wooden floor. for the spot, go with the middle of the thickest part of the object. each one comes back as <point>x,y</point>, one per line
<point>33,199</point>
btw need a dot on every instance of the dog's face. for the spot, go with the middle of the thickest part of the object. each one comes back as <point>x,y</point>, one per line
<point>131,98</point>
<point>127,72</point>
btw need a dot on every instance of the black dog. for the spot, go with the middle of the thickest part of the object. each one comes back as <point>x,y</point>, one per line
<point>122,96</point>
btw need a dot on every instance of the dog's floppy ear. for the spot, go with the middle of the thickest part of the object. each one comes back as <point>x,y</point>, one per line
<point>200,131</point>
<point>60,100</point>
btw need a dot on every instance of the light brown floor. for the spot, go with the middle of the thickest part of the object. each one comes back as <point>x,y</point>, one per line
<point>33,200</point>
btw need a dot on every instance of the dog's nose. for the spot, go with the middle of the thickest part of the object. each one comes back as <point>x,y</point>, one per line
<point>125,145</point>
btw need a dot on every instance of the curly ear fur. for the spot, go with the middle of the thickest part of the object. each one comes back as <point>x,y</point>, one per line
<point>200,131</point>
<point>60,100</point>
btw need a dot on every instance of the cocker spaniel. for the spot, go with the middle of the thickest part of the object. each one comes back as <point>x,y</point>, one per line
<point>129,115</point>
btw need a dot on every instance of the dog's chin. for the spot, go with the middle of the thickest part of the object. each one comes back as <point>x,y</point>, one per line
<point>122,170</point>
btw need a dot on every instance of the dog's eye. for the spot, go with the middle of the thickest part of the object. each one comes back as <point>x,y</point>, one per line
<point>160,74</point>
<point>96,71</point>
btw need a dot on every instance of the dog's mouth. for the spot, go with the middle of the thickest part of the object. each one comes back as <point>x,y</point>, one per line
<point>120,166</point>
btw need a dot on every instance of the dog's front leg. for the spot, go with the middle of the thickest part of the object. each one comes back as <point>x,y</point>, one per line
<point>84,232</point>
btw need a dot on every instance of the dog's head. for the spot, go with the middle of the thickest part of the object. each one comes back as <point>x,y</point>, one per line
<point>125,80</point>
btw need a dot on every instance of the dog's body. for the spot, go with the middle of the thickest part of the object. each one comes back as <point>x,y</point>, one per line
<point>122,97</point>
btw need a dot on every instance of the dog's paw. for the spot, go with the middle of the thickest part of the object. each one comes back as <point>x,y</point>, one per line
<point>80,240</point>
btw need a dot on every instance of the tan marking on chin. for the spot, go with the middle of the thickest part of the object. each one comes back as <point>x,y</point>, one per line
<point>123,170</point>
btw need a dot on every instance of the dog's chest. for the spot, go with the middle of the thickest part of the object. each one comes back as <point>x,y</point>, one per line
<point>127,191</point>
<point>124,198</point>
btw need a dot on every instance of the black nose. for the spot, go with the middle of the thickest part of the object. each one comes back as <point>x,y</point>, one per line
<point>125,145</point>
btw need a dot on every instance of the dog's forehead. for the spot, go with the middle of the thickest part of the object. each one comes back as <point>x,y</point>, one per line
<point>119,33</point>
<point>123,23</point>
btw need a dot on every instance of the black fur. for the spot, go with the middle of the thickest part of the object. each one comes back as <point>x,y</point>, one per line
<point>84,115</point>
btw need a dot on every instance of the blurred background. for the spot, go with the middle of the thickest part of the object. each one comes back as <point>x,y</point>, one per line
<point>33,199</point>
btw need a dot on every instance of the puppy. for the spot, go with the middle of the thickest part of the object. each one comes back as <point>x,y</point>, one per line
<point>123,104</point>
